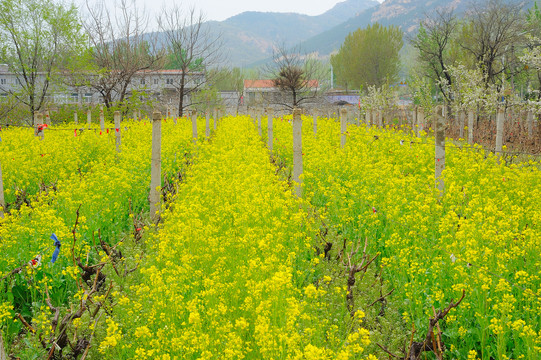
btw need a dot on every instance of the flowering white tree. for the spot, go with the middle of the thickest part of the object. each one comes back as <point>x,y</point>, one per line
<point>531,57</point>
<point>421,93</point>
<point>532,53</point>
<point>470,90</point>
<point>382,97</point>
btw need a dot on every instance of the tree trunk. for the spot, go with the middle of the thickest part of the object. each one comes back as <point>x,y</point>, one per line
<point>123,92</point>
<point>461,123</point>
<point>181,94</point>
<point>439,136</point>
<point>3,355</point>
<point>107,99</point>
<point>500,120</point>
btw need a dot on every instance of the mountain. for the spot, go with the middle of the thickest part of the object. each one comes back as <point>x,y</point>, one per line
<point>250,36</point>
<point>406,14</point>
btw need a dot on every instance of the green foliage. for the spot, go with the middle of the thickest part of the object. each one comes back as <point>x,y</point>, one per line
<point>369,57</point>
<point>39,40</point>
<point>455,52</point>
<point>383,97</point>
<point>180,60</point>
<point>422,93</point>
<point>433,45</point>
<point>228,79</point>
<point>206,98</point>
<point>534,16</point>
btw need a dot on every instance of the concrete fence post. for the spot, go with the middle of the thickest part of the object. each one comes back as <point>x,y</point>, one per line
<point>194,126</point>
<point>439,135</point>
<point>174,115</point>
<point>270,128</point>
<point>420,120</point>
<point>471,118</point>
<point>529,123</point>
<point>343,127</point>
<point>461,123</point>
<point>75,120</point>
<point>415,120</point>
<point>2,209</point>
<point>259,116</point>
<point>297,151</point>
<point>500,121</point>
<point>117,130</point>
<point>250,113</point>
<point>315,115</point>
<point>3,355</point>
<point>156,167</point>
<point>367,116</point>
<point>102,119</point>
<point>88,117</point>
<point>38,125</point>
<point>47,117</point>
<point>36,130</point>
<point>207,124</point>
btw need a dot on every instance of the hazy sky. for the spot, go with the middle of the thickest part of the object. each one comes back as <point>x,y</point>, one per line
<point>223,9</point>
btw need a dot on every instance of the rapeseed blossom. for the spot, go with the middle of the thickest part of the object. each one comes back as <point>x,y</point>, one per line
<point>53,178</point>
<point>482,236</point>
<point>227,276</point>
<point>231,271</point>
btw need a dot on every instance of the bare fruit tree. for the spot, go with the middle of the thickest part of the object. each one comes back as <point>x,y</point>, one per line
<point>433,42</point>
<point>297,76</point>
<point>39,40</point>
<point>496,27</point>
<point>119,48</point>
<point>191,48</point>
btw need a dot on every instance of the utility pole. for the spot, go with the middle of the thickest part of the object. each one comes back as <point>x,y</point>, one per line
<point>332,78</point>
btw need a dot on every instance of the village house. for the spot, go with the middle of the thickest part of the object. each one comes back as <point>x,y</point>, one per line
<point>160,85</point>
<point>263,92</point>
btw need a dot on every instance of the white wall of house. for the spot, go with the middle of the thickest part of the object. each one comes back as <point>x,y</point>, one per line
<point>161,85</point>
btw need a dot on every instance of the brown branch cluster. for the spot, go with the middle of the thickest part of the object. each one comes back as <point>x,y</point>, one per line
<point>63,333</point>
<point>298,76</point>
<point>432,341</point>
<point>120,48</point>
<point>192,48</point>
<point>353,269</point>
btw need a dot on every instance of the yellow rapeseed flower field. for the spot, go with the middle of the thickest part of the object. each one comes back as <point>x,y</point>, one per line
<point>482,236</point>
<point>228,274</point>
<point>57,176</point>
<point>235,268</point>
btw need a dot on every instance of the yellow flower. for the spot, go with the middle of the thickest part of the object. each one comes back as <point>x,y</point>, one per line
<point>113,337</point>
<point>359,315</point>
<point>194,318</point>
<point>142,331</point>
<point>310,291</point>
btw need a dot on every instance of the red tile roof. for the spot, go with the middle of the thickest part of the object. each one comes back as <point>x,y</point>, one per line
<point>165,71</point>
<point>267,84</point>
<point>258,84</point>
